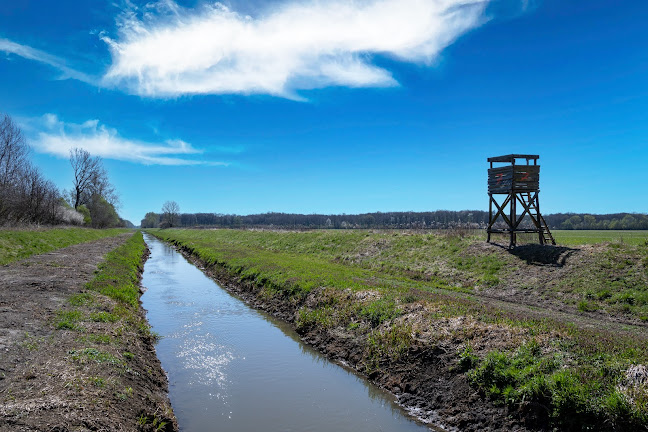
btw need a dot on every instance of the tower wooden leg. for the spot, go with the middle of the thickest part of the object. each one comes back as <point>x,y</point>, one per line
<point>513,220</point>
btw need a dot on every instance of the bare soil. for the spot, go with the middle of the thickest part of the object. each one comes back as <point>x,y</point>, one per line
<point>64,380</point>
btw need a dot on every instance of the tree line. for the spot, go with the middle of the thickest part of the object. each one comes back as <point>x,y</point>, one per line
<point>437,219</point>
<point>614,221</point>
<point>440,219</point>
<point>27,197</point>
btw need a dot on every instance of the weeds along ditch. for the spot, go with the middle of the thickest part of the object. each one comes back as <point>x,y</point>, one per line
<point>112,296</point>
<point>396,292</point>
<point>112,354</point>
<point>19,244</point>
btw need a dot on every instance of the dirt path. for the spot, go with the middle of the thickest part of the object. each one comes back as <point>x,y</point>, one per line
<point>32,290</point>
<point>47,383</point>
<point>536,284</point>
<point>531,307</point>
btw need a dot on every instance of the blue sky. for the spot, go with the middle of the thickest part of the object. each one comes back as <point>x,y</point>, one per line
<point>333,106</point>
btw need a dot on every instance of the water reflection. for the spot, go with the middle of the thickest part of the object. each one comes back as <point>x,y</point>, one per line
<point>232,368</point>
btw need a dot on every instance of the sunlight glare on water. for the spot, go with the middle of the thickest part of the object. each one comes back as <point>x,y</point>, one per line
<point>232,368</point>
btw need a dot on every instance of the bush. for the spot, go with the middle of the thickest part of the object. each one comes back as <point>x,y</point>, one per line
<point>380,311</point>
<point>70,216</point>
<point>85,213</point>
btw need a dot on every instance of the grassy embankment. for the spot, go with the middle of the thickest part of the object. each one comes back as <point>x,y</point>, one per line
<point>19,244</point>
<point>110,324</point>
<point>395,290</point>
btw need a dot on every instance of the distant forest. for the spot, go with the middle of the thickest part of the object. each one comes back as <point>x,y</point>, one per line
<point>440,219</point>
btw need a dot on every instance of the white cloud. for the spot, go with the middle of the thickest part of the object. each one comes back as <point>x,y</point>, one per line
<point>295,46</point>
<point>58,138</point>
<point>34,54</point>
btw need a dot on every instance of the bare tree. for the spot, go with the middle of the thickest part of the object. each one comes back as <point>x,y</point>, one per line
<point>13,161</point>
<point>13,149</point>
<point>170,214</point>
<point>25,195</point>
<point>102,187</point>
<point>86,170</point>
<point>90,178</point>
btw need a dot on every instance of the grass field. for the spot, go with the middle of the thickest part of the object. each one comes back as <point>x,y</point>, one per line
<point>613,279</point>
<point>366,283</point>
<point>578,237</point>
<point>19,244</point>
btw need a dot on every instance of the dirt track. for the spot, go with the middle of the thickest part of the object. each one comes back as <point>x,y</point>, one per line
<point>60,380</point>
<point>532,288</point>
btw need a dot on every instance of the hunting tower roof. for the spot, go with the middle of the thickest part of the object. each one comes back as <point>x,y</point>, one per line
<point>511,158</point>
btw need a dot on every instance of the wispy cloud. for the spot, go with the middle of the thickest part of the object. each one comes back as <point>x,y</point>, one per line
<point>294,46</point>
<point>58,138</point>
<point>34,54</point>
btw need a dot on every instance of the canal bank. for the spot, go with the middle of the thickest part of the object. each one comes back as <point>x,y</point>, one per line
<point>76,351</point>
<point>424,380</point>
<point>234,368</point>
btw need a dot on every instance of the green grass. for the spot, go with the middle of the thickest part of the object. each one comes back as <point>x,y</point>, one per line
<point>93,354</point>
<point>364,281</point>
<point>104,317</point>
<point>581,397</point>
<point>526,375</point>
<point>19,244</point>
<point>68,320</point>
<point>581,237</point>
<point>380,311</point>
<point>616,280</point>
<point>81,299</point>
<point>342,259</point>
<point>117,276</point>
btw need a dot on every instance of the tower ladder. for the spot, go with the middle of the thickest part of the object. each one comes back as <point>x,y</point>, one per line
<point>531,207</point>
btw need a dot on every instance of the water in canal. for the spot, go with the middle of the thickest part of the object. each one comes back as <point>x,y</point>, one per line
<point>232,368</point>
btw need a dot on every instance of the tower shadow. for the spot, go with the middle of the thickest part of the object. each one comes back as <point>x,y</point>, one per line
<point>543,255</point>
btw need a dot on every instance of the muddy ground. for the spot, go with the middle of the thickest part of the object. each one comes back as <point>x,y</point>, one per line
<point>104,376</point>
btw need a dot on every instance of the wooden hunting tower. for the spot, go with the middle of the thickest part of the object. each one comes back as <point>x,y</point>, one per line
<point>518,184</point>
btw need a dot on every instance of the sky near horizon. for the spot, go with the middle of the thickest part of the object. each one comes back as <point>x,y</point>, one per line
<point>336,106</point>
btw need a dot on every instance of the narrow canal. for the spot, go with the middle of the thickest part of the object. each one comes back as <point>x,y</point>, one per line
<point>232,368</point>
